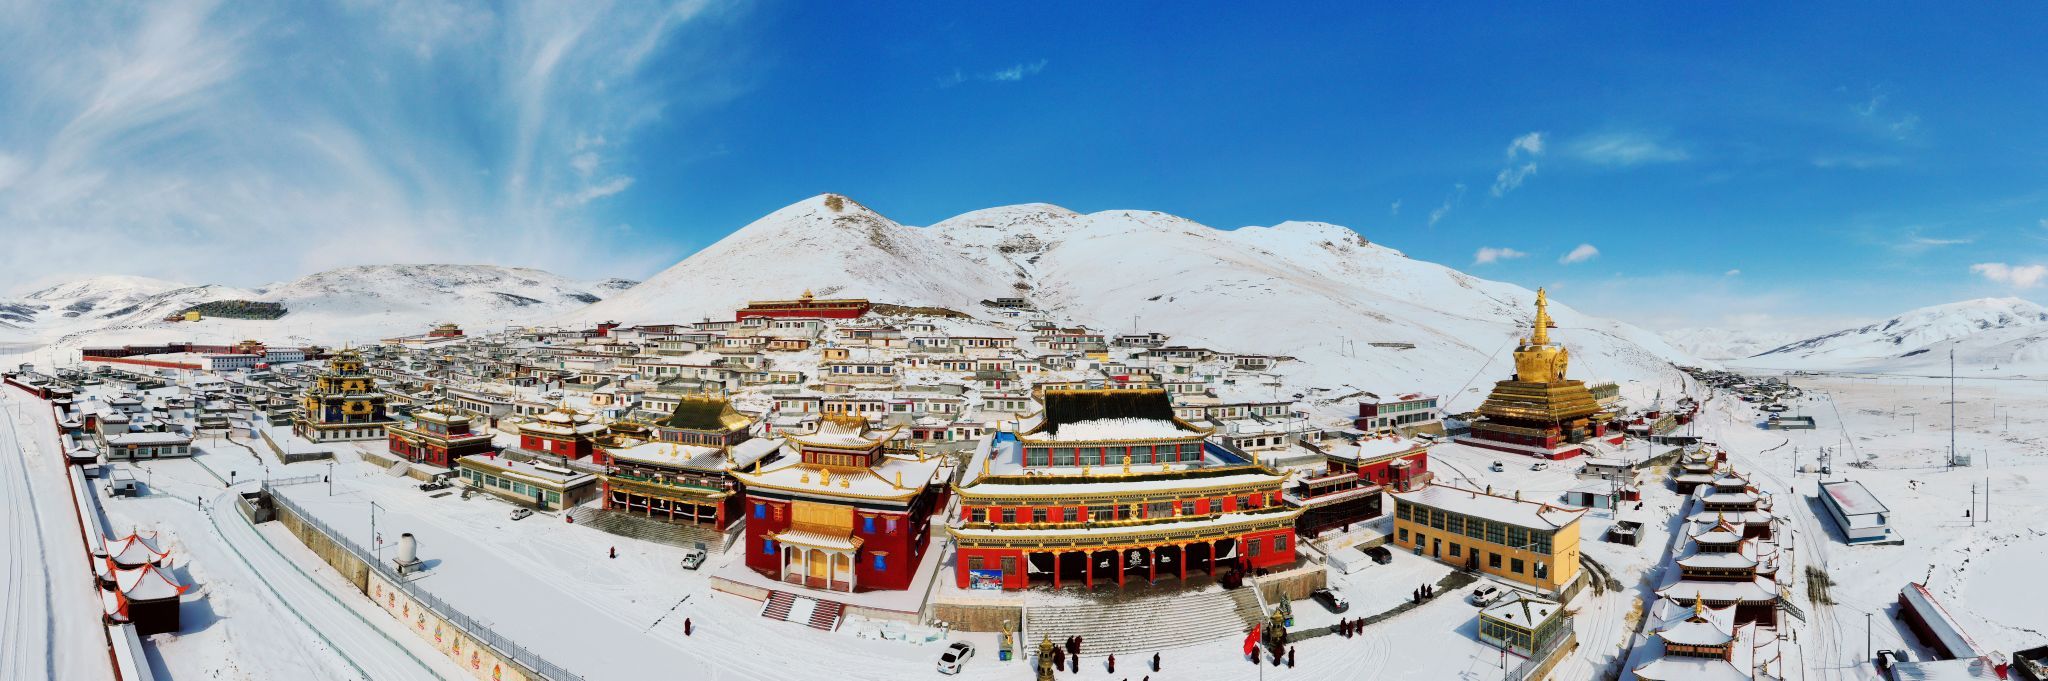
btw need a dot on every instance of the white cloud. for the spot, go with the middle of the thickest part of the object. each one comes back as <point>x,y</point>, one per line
<point>1732,273</point>
<point>1488,255</point>
<point>1018,72</point>
<point>1009,75</point>
<point>1512,177</point>
<point>1581,254</point>
<point>1625,149</point>
<point>1531,144</point>
<point>2016,276</point>
<point>1528,146</point>
<point>236,143</point>
<point>1396,208</point>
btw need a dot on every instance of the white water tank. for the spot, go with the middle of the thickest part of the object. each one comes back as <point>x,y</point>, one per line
<point>408,549</point>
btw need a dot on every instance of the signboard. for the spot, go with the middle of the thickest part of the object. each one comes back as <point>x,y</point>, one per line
<point>985,580</point>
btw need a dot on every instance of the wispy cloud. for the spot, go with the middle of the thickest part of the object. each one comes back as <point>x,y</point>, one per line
<point>362,133</point>
<point>1394,209</point>
<point>1581,254</point>
<point>1856,161</point>
<point>1488,255</point>
<point>1913,242</point>
<point>1009,75</point>
<point>1450,201</point>
<point>1521,163</point>
<point>2016,276</point>
<point>1879,115</point>
<point>1624,149</point>
<point>1732,273</point>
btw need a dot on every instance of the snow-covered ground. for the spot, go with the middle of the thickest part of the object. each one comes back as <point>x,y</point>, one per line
<point>348,304</point>
<point>1978,565</point>
<point>49,610</point>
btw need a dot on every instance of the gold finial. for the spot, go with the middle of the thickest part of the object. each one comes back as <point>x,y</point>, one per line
<point>1542,334</point>
<point>1699,605</point>
<point>1127,462</point>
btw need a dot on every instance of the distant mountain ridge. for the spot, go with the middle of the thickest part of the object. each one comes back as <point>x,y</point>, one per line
<point>1323,293</point>
<point>346,303</point>
<point>1985,331</point>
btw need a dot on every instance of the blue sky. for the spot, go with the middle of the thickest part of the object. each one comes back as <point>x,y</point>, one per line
<point>1709,165</point>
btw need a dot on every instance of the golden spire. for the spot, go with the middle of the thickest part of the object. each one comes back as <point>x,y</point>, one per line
<point>1699,605</point>
<point>1542,334</point>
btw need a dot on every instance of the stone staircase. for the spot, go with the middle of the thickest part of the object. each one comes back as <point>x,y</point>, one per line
<point>637,527</point>
<point>1146,625</point>
<point>814,613</point>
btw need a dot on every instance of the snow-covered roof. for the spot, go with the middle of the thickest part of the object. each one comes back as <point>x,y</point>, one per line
<point>1522,609</point>
<point>1113,429</point>
<point>1522,513</point>
<point>134,550</point>
<point>147,583</point>
<point>1852,498</point>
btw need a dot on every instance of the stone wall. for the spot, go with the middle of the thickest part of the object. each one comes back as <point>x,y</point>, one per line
<point>979,615</point>
<point>480,660</point>
<point>1293,585</point>
<point>351,568</point>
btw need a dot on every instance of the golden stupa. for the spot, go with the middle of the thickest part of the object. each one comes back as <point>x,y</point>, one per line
<point>1538,407</point>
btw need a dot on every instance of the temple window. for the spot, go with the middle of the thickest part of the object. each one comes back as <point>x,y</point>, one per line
<point>768,546</point>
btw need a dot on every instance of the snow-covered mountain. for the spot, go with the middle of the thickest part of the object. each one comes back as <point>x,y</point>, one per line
<point>1315,291</point>
<point>343,304</point>
<point>1986,331</point>
<point>1719,344</point>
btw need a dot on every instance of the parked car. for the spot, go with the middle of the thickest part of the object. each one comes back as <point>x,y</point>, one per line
<point>1498,466</point>
<point>1332,599</point>
<point>955,657</point>
<point>693,558</point>
<point>1485,595</point>
<point>1540,465</point>
<point>521,513</point>
<point>1380,554</point>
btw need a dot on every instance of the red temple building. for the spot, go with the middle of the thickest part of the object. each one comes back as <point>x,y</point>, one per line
<point>436,435</point>
<point>680,469</point>
<point>807,306</point>
<point>564,432</point>
<point>847,513</point>
<point>1107,486</point>
<point>1348,491</point>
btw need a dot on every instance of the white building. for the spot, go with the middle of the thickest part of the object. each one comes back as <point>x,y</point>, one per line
<point>1862,518</point>
<point>218,363</point>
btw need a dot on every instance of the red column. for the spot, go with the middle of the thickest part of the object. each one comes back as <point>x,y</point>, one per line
<point>1183,559</point>
<point>1119,568</point>
<point>1152,565</point>
<point>1088,562</point>
<point>1056,570</point>
<point>1212,559</point>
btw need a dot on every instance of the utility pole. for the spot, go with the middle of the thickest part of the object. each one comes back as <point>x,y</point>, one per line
<point>1866,636</point>
<point>1973,505</point>
<point>1951,408</point>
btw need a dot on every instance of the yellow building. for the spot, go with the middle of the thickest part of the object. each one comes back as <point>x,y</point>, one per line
<point>1528,542</point>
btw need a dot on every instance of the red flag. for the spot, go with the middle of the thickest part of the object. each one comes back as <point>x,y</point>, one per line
<point>1251,640</point>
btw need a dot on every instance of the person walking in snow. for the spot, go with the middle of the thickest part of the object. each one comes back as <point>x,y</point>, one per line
<point>1112,663</point>
<point>1290,657</point>
<point>686,626</point>
<point>1155,665</point>
<point>1059,658</point>
<point>615,552</point>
